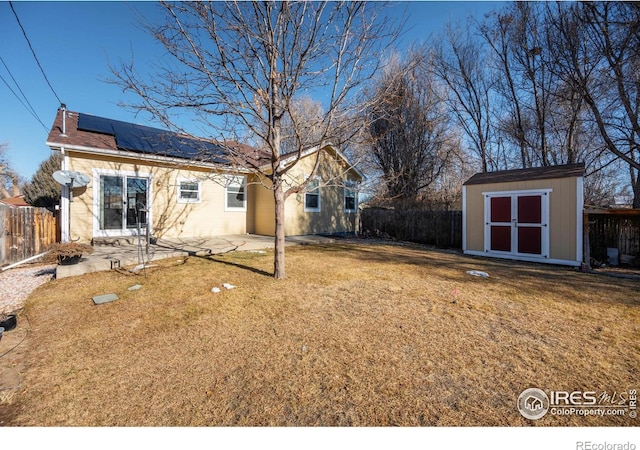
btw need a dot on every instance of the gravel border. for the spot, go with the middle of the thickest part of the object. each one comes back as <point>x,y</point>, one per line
<point>17,284</point>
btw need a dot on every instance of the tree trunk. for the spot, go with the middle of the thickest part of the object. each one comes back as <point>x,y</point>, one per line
<point>635,186</point>
<point>278,261</point>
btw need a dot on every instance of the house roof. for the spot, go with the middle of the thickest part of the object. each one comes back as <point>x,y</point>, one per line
<point>17,200</point>
<point>93,132</point>
<point>89,133</point>
<point>534,173</point>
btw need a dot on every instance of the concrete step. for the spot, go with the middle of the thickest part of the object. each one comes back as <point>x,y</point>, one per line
<point>118,241</point>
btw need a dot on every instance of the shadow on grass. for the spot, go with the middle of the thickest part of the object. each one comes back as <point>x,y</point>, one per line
<point>451,265</point>
<point>238,265</point>
<point>532,278</point>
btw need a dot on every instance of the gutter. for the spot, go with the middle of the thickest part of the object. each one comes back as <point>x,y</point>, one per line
<point>144,157</point>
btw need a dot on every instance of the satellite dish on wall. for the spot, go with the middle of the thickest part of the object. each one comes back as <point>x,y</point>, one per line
<point>70,177</point>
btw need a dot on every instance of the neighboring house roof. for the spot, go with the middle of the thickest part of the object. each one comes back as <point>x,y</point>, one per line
<point>535,173</point>
<point>99,135</point>
<point>17,200</point>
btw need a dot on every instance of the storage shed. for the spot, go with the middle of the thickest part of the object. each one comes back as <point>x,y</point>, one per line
<point>528,214</point>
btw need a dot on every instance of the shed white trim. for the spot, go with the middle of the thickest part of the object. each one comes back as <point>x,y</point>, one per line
<point>524,258</point>
<point>579,219</point>
<point>514,225</point>
<point>464,218</point>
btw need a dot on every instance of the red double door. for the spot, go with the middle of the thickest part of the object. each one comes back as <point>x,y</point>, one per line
<point>517,224</point>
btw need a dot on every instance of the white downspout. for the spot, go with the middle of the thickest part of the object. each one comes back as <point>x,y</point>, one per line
<point>64,202</point>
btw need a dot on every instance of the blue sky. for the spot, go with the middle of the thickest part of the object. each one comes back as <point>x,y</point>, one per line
<point>76,41</point>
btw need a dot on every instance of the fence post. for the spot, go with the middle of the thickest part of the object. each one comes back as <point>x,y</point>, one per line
<point>586,247</point>
<point>3,233</point>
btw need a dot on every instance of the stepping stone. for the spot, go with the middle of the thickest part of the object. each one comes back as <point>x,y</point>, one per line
<point>106,298</point>
<point>135,287</point>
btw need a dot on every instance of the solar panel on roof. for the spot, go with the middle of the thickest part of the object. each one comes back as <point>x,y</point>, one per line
<point>87,122</point>
<point>139,138</point>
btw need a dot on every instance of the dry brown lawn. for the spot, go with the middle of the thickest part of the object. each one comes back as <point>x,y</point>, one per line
<point>359,334</point>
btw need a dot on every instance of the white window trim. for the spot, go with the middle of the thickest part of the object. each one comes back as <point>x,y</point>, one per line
<point>350,186</point>
<point>229,180</point>
<point>180,180</point>
<point>319,208</point>
<point>97,232</point>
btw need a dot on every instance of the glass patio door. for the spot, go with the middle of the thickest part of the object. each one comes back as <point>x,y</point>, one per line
<point>136,203</point>
<point>123,204</point>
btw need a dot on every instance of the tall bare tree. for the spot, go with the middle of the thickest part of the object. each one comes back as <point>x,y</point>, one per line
<point>238,67</point>
<point>9,179</point>
<point>511,121</point>
<point>538,114</point>
<point>598,54</point>
<point>459,62</point>
<point>410,141</point>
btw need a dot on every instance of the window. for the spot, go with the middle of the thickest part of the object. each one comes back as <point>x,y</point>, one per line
<point>350,199</point>
<point>312,197</point>
<point>235,195</point>
<point>188,191</point>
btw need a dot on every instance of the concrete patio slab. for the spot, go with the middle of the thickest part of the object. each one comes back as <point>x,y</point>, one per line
<point>107,257</point>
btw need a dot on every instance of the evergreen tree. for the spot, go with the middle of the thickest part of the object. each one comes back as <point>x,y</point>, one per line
<point>43,191</point>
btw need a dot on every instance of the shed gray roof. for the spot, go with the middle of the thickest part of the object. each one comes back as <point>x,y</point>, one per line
<point>535,173</point>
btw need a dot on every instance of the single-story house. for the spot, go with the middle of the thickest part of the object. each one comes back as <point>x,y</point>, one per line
<point>183,187</point>
<point>528,214</point>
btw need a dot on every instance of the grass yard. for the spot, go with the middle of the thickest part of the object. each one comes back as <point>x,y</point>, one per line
<point>359,334</point>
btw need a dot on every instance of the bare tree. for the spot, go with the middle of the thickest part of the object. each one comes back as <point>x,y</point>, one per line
<point>497,31</point>
<point>238,67</point>
<point>410,142</point>
<point>530,53</point>
<point>538,114</point>
<point>303,125</point>
<point>459,62</point>
<point>9,179</point>
<point>597,54</point>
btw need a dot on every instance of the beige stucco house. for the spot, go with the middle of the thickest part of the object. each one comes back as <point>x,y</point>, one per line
<point>183,187</point>
<point>528,214</point>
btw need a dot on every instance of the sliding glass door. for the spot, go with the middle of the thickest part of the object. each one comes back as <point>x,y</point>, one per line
<point>123,204</point>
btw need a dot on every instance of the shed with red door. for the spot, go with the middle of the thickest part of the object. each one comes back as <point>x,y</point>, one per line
<point>531,214</point>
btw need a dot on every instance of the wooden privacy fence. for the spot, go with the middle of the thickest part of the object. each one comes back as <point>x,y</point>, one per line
<point>25,232</point>
<point>614,228</point>
<point>440,228</point>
